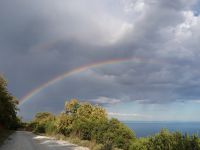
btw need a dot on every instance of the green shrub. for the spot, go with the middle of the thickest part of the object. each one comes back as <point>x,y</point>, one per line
<point>139,144</point>
<point>162,141</point>
<point>166,140</point>
<point>50,127</point>
<point>64,124</point>
<point>87,122</point>
<point>42,123</point>
<point>39,128</point>
<point>120,135</point>
<point>83,129</point>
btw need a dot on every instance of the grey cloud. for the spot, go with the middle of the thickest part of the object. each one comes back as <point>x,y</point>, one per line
<point>40,40</point>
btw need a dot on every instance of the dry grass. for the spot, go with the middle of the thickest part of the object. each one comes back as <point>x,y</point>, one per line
<point>92,145</point>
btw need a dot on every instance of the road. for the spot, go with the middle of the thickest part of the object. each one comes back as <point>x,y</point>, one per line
<point>22,140</point>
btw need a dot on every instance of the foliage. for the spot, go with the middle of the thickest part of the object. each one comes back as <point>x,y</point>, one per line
<point>86,122</point>
<point>64,124</point>
<point>72,106</point>
<point>139,144</point>
<point>43,123</point>
<point>89,124</point>
<point>8,107</point>
<point>166,140</point>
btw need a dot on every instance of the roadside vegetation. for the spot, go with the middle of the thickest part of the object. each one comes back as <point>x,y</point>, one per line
<point>166,140</point>
<point>88,125</point>
<point>8,110</point>
<point>84,123</point>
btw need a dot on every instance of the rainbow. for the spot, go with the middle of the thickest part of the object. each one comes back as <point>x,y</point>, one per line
<point>72,72</point>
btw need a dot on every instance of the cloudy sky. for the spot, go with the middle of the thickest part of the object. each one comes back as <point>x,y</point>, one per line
<point>42,39</point>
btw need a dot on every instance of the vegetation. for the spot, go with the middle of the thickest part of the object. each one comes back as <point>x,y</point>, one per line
<point>167,141</point>
<point>8,109</point>
<point>8,118</point>
<point>85,122</point>
<point>88,125</point>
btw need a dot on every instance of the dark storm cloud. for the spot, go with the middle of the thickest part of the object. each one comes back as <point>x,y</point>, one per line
<point>40,40</point>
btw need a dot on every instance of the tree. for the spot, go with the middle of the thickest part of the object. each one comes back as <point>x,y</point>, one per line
<point>72,106</point>
<point>43,122</point>
<point>84,111</point>
<point>64,124</point>
<point>8,107</point>
<point>86,122</point>
<point>43,116</point>
<point>99,113</point>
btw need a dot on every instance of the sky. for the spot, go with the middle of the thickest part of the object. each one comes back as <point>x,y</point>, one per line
<point>157,42</point>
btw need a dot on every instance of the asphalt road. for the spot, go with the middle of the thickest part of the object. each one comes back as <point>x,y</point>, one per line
<point>22,140</point>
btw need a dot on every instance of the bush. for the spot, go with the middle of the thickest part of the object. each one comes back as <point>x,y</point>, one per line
<point>166,140</point>
<point>87,122</point>
<point>121,136</point>
<point>83,129</point>
<point>50,127</point>
<point>64,124</point>
<point>39,128</point>
<point>139,144</point>
<point>43,123</point>
<point>162,141</point>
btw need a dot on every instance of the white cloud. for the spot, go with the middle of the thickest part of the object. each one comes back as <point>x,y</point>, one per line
<point>193,101</point>
<point>129,116</point>
<point>121,32</point>
<point>136,6</point>
<point>106,100</point>
<point>183,31</point>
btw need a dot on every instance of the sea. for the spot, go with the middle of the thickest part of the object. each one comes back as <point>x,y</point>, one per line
<point>144,129</point>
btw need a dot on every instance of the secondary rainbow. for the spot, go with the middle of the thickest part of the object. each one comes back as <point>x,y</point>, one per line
<point>72,72</point>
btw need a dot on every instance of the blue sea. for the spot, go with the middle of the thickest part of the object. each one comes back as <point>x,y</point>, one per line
<point>143,129</point>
